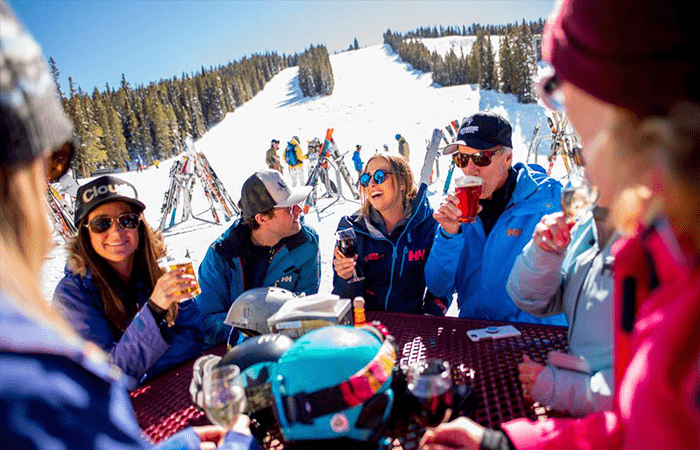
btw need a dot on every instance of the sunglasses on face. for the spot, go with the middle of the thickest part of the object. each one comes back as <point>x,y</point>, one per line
<point>549,90</point>
<point>290,209</point>
<point>126,221</point>
<point>481,159</point>
<point>379,177</point>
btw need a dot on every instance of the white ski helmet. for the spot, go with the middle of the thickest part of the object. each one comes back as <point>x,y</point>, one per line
<point>250,311</point>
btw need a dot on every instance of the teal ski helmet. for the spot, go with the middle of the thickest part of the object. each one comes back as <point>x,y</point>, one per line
<point>334,383</point>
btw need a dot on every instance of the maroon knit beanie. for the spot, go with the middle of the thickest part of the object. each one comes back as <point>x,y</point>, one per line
<point>642,55</point>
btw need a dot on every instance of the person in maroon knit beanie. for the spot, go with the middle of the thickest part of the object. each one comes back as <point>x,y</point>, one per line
<point>628,74</point>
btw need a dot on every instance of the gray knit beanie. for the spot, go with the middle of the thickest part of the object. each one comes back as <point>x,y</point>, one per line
<point>32,120</point>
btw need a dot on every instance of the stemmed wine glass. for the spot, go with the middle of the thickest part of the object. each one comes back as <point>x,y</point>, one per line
<point>346,242</point>
<point>577,196</point>
<point>224,395</point>
<point>429,382</point>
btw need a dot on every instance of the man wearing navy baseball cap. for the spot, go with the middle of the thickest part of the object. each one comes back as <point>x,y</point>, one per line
<point>269,246</point>
<point>475,259</point>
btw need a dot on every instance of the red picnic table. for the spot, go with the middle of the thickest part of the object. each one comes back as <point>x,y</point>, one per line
<point>163,405</point>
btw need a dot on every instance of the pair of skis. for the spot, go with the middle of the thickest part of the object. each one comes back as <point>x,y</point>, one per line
<point>328,153</point>
<point>183,177</point>
<point>452,130</point>
<point>61,213</point>
<point>563,142</point>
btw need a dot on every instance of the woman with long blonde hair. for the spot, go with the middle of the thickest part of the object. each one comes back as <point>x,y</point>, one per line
<point>627,73</point>
<point>395,231</point>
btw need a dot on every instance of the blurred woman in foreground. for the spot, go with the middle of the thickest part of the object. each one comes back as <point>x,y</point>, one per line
<point>627,72</point>
<point>56,390</point>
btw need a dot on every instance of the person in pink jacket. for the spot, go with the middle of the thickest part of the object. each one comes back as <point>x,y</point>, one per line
<point>628,74</point>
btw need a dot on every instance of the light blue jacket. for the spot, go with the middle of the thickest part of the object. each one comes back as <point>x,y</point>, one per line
<point>579,284</point>
<point>477,266</point>
<point>295,265</point>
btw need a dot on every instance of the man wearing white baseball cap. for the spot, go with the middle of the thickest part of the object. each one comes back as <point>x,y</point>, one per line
<point>269,246</point>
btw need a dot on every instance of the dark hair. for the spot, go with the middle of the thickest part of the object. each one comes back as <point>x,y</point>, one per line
<point>151,247</point>
<point>252,223</point>
<point>402,177</point>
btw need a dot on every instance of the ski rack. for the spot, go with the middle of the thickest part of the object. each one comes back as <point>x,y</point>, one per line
<point>61,213</point>
<point>336,162</point>
<point>563,143</point>
<point>183,176</point>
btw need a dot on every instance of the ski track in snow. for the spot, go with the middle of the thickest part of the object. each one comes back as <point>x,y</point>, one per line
<point>376,96</point>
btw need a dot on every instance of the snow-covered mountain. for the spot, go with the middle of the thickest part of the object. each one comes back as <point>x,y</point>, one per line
<point>376,96</point>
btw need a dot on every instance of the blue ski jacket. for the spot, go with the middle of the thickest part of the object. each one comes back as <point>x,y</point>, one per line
<point>477,266</point>
<point>358,161</point>
<point>59,394</point>
<point>294,264</point>
<point>393,265</point>
<point>145,348</point>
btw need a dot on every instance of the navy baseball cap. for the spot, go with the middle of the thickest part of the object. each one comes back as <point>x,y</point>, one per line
<point>482,131</point>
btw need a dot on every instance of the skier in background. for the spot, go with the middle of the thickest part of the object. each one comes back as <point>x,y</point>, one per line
<point>358,161</point>
<point>295,160</point>
<point>272,159</point>
<point>403,146</point>
<point>139,163</point>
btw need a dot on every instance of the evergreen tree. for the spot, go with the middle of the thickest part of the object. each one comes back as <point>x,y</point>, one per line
<point>488,66</point>
<point>55,74</point>
<point>505,65</point>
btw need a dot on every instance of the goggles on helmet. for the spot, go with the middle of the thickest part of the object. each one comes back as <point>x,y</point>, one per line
<point>362,386</point>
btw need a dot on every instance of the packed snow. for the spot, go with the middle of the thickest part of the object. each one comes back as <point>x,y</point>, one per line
<point>376,96</point>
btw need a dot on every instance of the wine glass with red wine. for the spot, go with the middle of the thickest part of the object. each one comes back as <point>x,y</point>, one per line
<point>429,383</point>
<point>346,242</point>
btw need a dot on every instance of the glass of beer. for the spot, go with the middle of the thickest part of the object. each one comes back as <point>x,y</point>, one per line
<point>179,260</point>
<point>468,190</point>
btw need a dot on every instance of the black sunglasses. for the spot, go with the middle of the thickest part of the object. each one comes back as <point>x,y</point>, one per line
<point>126,221</point>
<point>481,159</point>
<point>378,175</point>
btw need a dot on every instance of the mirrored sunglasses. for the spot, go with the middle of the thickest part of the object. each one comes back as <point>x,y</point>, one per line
<point>481,159</point>
<point>126,221</point>
<point>549,90</point>
<point>379,177</point>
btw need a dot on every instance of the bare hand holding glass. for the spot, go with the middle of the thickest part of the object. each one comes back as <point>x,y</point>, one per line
<point>346,244</point>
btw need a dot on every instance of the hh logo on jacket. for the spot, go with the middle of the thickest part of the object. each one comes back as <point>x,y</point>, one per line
<point>416,255</point>
<point>515,232</point>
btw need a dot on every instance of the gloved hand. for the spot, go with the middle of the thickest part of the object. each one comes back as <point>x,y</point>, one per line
<point>201,367</point>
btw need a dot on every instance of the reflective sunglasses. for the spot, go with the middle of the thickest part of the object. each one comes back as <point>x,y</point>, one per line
<point>379,176</point>
<point>481,159</point>
<point>549,90</point>
<point>126,221</point>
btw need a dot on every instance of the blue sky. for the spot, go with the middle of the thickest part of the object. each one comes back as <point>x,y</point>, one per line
<point>94,42</point>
